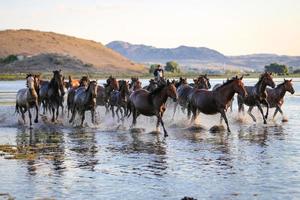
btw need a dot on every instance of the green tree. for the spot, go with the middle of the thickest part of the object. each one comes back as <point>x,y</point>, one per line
<point>9,59</point>
<point>172,66</point>
<point>277,68</point>
<point>152,68</point>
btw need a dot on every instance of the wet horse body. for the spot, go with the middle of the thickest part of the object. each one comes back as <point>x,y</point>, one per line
<point>27,98</point>
<point>213,102</point>
<point>85,99</point>
<point>55,93</point>
<point>275,96</point>
<point>257,95</point>
<point>184,90</point>
<point>152,103</point>
<point>119,99</point>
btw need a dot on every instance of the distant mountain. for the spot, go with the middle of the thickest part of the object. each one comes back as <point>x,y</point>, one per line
<point>199,57</point>
<point>30,43</point>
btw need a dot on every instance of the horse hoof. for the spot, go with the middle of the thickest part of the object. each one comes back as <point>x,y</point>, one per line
<point>36,121</point>
<point>265,122</point>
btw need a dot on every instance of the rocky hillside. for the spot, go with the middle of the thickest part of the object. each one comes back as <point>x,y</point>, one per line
<point>90,53</point>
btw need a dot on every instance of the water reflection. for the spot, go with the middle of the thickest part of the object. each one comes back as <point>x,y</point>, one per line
<point>259,134</point>
<point>37,145</point>
<point>83,144</point>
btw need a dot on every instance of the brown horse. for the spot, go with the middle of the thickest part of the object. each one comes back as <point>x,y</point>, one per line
<point>28,97</point>
<point>103,93</point>
<point>135,84</point>
<point>85,99</point>
<point>229,105</point>
<point>73,83</point>
<point>184,90</point>
<point>213,102</point>
<point>152,103</point>
<point>257,95</point>
<point>275,96</point>
<point>119,99</point>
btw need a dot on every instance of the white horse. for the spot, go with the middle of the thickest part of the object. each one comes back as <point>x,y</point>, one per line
<point>28,98</point>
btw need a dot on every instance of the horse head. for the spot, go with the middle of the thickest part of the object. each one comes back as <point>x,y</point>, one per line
<point>30,81</point>
<point>92,88</point>
<point>84,81</point>
<point>59,80</point>
<point>113,83</point>
<point>288,86</point>
<point>171,90</point>
<point>202,83</point>
<point>238,86</point>
<point>267,79</point>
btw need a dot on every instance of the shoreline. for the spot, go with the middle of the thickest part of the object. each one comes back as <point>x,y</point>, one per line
<point>97,75</point>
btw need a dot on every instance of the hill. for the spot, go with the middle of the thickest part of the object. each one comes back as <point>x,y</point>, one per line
<point>91,53</point>
<point>199,58</point>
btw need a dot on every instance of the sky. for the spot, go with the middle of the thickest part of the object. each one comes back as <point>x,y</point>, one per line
<point>233,27</point>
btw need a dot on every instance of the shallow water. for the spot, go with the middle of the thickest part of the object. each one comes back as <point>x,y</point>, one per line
<point>255,161</point>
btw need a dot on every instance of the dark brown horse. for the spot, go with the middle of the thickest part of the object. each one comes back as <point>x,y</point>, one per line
<point>275,96</point>
<point>152,103</point>
<point>55,93</point>
<point>152,85</point>
<point>28,97</point>
<point>229,105</point>
<point>119,99</point>
<point>257,95</point>
<point>213,102</point>
<point>135,84</point>
<point>184,90</point>
<point>103,93</point>
<point>85,99</point>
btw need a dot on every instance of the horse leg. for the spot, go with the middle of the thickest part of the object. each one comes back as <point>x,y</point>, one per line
<point>194,111</point>
<point>262,112</point>
<point>251,115</point>
<point>37,113</point>
<point>223,114</point>
<point>82,117</point>
<point>117,113</point>
<point>134,116</point>
<point>163,125</point>
<point>268,106</point>
<point>175,108</point>
<point>57,111</point>
<point>73,112</point>
<point>93,115</point>
<point>29,114</point>
<point>53,113</point>
<point>240,105</point>
<point>113,111</point>
<point>23,115</point>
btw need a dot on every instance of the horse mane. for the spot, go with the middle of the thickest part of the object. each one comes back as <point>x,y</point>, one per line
<point>227,82</point>
<point>155,92</point>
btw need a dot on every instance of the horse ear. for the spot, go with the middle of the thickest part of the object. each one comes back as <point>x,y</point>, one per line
<point>284,80</point>
<point>242,77</point>
<point>291,80</point>
<point>168,82</point>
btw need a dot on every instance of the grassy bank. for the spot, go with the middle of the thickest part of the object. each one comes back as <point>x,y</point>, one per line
<point>97,75</point>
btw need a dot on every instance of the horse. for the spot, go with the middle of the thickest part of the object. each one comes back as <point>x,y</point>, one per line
<point>119,99</point>
<point>28,97</point>
<point>135,84</point>
<point>152,103</point>
<point>213,102</point>
<point>55,93</point>
<point>84,82</point>
<point>103,93</point>
<point>229,105</point>
<point>275,96</point>
<point>257,95</point>
<point>73,83</point>
<point>184,90</point>
<point>85,99</point>
<point>152,85</point>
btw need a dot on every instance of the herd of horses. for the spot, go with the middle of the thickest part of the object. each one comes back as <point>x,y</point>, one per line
<point>125,98</point>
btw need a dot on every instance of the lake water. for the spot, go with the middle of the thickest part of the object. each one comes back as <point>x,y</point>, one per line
<point>107,161</point>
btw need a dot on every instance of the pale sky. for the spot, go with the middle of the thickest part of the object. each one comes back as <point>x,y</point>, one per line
<point>233,27</point>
